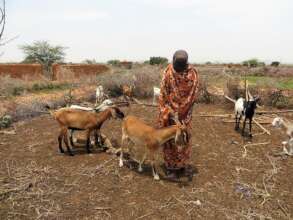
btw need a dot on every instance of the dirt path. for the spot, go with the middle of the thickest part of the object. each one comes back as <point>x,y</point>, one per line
<point>38,182</point>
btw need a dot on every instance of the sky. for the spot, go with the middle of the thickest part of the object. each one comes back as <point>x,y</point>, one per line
<point>209,30</point>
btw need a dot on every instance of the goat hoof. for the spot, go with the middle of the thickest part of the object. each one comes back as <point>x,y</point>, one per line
<point>120,163</point>
<point>71,154</point>
<point>250,135</point>
<point>140,169</point>
<point>156,177</point>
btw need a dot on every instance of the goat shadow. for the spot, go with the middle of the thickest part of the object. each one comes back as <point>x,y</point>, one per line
<point>79,149</point>
<point>182,179</point>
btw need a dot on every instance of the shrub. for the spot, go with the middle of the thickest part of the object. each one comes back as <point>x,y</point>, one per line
<point>143,79</point>
<point>275,63</point>
<point>158,60</point>
<point>251,63</point>
<point>277,99</point>
<point>5,121</point>
<point>113,62</point>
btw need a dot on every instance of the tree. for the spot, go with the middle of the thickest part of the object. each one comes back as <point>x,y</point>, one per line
<point>275,63</point>
<point>158,60</point>
<point>44,53</point>
<point>251,63</point>
<point>90,61</point>
<point>2,19</point>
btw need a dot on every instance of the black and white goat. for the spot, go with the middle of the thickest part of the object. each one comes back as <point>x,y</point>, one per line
<point>246,109</point>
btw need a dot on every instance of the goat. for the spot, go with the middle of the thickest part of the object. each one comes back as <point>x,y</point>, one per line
<point>246,109</point>
<point>288,127</point>
<point>100,95</point>
<point>102,107</point>
<point>285,124</point>
<point>157,92</point>
<point>150,139</point>
<point>127,92</point>
<point>74,119</point>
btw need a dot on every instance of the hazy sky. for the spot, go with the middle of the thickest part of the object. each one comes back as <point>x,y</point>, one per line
<point>210,30</point>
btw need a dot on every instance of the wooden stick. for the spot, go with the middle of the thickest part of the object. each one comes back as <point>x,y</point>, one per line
<point>145,104</point>
<point>220,116</point>
<point>259,125</point>
<point>230,99</point>
<point>275,112</point>
<point>266,122</point>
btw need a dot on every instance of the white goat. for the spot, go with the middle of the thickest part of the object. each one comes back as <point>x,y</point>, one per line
<point>288,127</point>
<point>99,94</point>
<point>157,92</point>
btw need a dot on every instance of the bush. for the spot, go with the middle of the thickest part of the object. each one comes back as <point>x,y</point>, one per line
<point>251,63</point>
<point>113,62</point>
<point>158,60</point>
<point>275,63</point>
<point>143,79</point>
<point>277,99</point>
<point>5,121</point>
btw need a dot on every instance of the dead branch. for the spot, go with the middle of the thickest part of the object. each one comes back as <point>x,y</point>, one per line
<point>249,145</point>
<point>232,121</point>
<point>145,104</point>
<point>230,99</point>
<point>259,125</point>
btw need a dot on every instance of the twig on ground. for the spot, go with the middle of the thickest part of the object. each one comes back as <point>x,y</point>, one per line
<point>249,145</point>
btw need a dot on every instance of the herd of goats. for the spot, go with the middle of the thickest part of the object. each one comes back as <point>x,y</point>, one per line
<point>143,136</point>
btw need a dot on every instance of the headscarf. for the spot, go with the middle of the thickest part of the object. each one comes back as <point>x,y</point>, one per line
<point>180,60</point>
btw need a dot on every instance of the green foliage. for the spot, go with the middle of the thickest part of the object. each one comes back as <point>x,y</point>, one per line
<point>275,63</point>
<point>251,63</point>
<point>113,62</point>
<point>158,60</point>
<point>5,121</point>
<point>89,61</point>
<point>44,53</point>
<point>17,91</point>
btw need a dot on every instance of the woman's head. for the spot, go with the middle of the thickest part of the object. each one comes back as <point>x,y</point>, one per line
<point>180,60</point>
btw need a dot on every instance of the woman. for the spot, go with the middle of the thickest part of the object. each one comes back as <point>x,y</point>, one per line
<point>179,89</point>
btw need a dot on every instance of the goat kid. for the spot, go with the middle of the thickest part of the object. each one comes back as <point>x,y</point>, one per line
<point>157,92</point>
<point>246,109</point>
<point>150,139</point>
<point>288,128</point>
<point>74,119</point>
<point>127,92</point>
<point>100,95</point>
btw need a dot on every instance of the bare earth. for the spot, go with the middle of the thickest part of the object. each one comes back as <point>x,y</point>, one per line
<point>36,181</point>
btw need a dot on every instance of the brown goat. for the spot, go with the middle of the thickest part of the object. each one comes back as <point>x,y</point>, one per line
<point>150,139</point>
<point>75,119</point>
<point>127,92</point>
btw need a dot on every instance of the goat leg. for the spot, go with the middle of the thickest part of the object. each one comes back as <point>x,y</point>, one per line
<point>60,137</point>
<point>71,138</point>
<point>140,163</point>
<point>65,137</point>
<point>236,124</point>
<point>88,142</point>
<point>153,164</point>
<point>250,127</point>
<point>244,124</point>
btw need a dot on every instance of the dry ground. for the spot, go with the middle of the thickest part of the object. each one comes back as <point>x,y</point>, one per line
<point>37,182</point>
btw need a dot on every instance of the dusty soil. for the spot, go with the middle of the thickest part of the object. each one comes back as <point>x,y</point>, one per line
<point>36,181</point>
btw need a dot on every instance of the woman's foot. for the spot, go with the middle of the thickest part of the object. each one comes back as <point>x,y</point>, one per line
<point>171,175</point>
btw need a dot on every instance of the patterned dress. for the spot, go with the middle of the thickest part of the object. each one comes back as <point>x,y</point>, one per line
<point>178,92</point>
